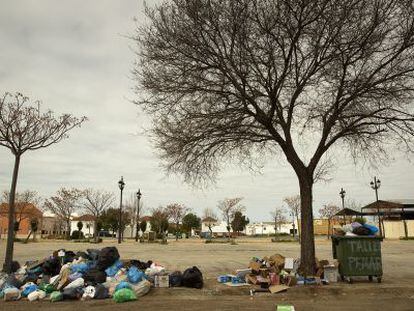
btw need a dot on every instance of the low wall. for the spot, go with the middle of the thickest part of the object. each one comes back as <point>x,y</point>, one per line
<point>395,229</point>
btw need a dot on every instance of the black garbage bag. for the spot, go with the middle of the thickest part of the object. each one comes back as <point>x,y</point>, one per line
<point>94,276</point>
<point>69,257</point>
<point>51,266</point>
<point>361,231</point>
<point>176,279</point>
<point>140,264</point>
<point>101,292</point>
<point>82,255</point>
<point>72,293</point>
<point>15,266</point>
<point>93,253</point>
<point>192,277</point>
<point>107,257</point>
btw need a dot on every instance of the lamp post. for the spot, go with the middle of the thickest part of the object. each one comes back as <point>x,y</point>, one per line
<point>342,195</point>
<point>138,199</point>
<point>121,185</point>
<point>375,185</point>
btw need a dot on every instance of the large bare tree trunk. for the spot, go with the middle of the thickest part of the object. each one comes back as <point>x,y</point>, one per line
<point>10,231</point>
<point>307,242</point>
<point>68,229</point>
<point>95,230</point>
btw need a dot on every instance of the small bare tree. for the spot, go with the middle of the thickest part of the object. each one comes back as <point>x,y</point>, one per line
<point>228,207</point>
<point>130,207</point>
<point>244,79</point>
<point>176,213</point>
<point>22,201</point>
<point>209,219</point>
<point>95,202</point>
<point>64,204</point>
<point>279,217</point>
<point>294,205</point>
<point>328,211</point>
<point>24,128</point>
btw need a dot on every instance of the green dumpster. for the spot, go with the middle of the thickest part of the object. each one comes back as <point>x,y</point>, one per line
<point>358,256</point>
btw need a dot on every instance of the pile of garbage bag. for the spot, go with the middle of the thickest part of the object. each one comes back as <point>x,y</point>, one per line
<point>356,229</point>
<point>94,274</point>
<point>277,273</point>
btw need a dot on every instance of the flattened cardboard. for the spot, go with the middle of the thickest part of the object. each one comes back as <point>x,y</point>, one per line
<point>278,288</point>
<point>255,266</point>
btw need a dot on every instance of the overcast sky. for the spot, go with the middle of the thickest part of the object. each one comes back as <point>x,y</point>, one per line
<point>74,57</point>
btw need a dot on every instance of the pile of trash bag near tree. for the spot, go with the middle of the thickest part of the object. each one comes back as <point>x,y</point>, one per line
<point>94,274</point>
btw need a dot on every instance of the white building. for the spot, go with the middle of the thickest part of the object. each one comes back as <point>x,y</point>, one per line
<point>88,223</point>
<point>218,228</point>
<point>268,228</point>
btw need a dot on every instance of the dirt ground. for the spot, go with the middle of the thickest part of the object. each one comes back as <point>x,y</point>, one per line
<point>396,292</point>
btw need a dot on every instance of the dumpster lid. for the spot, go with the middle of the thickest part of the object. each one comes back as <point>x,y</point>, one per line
<point>344,237</point>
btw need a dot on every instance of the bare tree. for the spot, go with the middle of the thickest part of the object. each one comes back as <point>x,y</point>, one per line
<point>228,207</point>
<point>278,216</point>
<point>130,207</point>
<point>242,79</point>
<point>159,221</point>
<point>328,211</point>
<point>176,213</point>
<point>95,202</point>
<point>24,128</point>
<point>209,219</point>
<point>64,204</point>
<point>294,206</point>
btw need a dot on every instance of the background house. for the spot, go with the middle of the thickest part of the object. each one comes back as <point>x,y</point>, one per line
<point>24,213</point>
<point>87,221</point>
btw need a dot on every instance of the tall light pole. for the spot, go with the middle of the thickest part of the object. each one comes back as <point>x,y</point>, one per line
<point>375,185</point>
<point>342,195</point>
<point>138,199</point>
<point>121,185</point>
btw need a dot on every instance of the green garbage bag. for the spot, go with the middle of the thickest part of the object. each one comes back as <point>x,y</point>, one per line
<point>124,295</point>
<point>56,296</point>
<point>48,288</point>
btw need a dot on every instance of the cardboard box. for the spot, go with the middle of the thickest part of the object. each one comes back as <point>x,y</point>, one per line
<point>289,263</point>
<point>278,288</point>
<point>331,273</point>
<point>251,279</point>
<point>162,281</point>
<point>255,266</point>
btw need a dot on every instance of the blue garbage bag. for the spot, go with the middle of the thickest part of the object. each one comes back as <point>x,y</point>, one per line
<point>28,289</point>
<point>80,267</point>
<point>371,228</point>
<point>112,270</point>
<point>123,284</point>
<point>135,275</point>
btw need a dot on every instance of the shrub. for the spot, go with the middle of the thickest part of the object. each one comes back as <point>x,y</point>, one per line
<point>76,235</point>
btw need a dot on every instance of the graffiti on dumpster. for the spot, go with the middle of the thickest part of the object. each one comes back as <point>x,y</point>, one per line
<point>364,263</point>
<point>364,246</point>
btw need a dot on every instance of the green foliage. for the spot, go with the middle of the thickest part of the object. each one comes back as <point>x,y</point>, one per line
<point>76,235</point>
<point>109,219</point>
<point>239,222</point>
<point>79,225</point>
<point>34,223</point>
<point>191,221</point>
